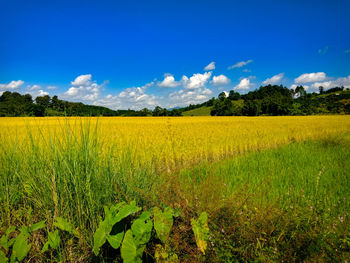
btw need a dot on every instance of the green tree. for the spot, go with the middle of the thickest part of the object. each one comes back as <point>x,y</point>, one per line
<point>234,95</point>
<point>43,101</point>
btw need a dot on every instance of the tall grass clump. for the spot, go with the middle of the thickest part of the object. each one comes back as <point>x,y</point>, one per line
<point>68,172</point>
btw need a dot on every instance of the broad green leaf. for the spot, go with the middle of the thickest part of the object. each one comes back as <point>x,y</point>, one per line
<point>142,229</point>
<point>201,231</point>
<point>112,216</point>
<point>100,235</point>
<point>3,258</point>
<point>145,215</point>
<point>25,231</point>
<point>54,239</point>
<point>37,226</point>
<point>20,248</point>
<point>124,212</point>
<point>129,249</point>
<point>115,240</point>
<point>45,247</point>
<point>163,221</point>
<point>165,255</point>
<point>64,225</point>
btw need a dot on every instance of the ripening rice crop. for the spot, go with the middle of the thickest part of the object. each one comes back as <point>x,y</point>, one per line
<point>175,142</point>
<point>268,195</point>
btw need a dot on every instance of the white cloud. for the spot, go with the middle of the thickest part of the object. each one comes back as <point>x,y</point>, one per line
<point>211,66</point>
<point>240,64</point>
<point>14,84</point>
<point>244,84</point>
<point>82,80</point>
<point>196,81</point>
<point>274,80</point>
<point>131,98</point>
<point>169,82</point>
<point>83,89</point>
<point>184,97</point>
<point>33,87</point>
<point>220,80</point>
<point>310,77</point>
<point>339,82</point>
<point>51,87</point>
<point>42,93</point>
<point>36,91</point>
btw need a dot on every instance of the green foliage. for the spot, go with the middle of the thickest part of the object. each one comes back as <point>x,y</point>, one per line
<point>53,241</point>
<point>3,258</point>
<point>6,242</point>
<point>129,250</point>
<point>21,247</point>
<point>15,104</point>
<point>37,226</point>
<point>201,231</point>
<point>113,215</point>
<point>136,238</point>
<point>115,240</point>
<point>202,111</point>
<point>163,221</point>
<point>64,225</point>
<point>20,244</point>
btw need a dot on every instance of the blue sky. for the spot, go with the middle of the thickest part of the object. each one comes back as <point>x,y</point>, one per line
<point>135,54</point>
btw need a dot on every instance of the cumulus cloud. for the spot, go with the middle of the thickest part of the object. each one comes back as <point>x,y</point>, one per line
<point>240,64</point>
<point>36,91</point>
<point>220,80</point>
<point>168,82</point>
<point>131,98</point>
<point>185,97</point>
<point>83,88</point>
<point>211,66</point>
<point>13,85</point>
<point>274,80</point>
<point>310,77</point>
<point>244,84</point>
<point>339,82</point>
<point>42,93</point>
<point>82,80</point>
<point>197,80</point>
<point>33,87</point>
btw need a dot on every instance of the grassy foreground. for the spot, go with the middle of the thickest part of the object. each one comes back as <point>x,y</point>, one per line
<point>289,203</point>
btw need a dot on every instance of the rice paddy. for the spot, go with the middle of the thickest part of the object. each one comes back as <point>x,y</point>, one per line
<point>274,188</point>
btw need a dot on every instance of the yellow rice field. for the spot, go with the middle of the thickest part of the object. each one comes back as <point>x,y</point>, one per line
<point>177,141</point>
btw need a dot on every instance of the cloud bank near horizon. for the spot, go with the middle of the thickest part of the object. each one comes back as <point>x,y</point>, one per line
<point>171,92</point>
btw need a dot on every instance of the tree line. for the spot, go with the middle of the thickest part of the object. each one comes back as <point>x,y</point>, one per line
<point>267,100</point>
<point>278,100</point>
<point>13,104</point>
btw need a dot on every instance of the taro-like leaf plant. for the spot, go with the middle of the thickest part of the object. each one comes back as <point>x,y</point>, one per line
<point>136,238</point>
<point>113,215</point>
<point>163,221</point>
<point>201,231</point>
